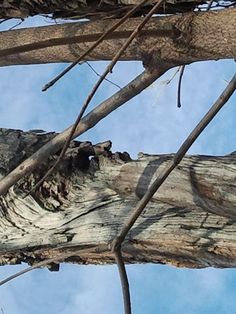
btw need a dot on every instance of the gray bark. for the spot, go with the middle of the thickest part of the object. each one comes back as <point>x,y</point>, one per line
<point>174,40</point>
<point>190,222</point>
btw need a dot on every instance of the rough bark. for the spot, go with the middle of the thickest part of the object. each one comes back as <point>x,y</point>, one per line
<point>83,8</point>
<point>190,222</point>
<point>178,39</point>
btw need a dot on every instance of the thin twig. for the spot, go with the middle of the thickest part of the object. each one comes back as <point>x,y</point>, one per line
<point>94,90</point>
<point>124,281</point>
<point>46,262</point>
<point>17,24</point>
<point>4,20</point>
<point>176,160</point>
<point>37,265</point>
<point>109,81</point>
<point>182,68</point>
<point>129,91</point>
<point>209,5</point>
<point>100,39</point>
<point>172,77</point>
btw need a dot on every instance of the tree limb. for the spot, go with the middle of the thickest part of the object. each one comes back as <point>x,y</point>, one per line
<point>177,39</point>
<point>223,98</point>
<point>91,48</point>
<point>129,91</point>
<point>94,90</point>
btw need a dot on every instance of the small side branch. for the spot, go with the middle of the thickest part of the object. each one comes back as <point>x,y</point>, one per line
<point>124,281</point>
<point>59,258</point>
<point>223,98</point>
<point>182,68</point>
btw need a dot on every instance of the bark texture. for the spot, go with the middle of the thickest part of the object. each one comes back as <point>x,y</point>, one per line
<point>83,8</point>
<point>175,40</point>
<point>190,222</point>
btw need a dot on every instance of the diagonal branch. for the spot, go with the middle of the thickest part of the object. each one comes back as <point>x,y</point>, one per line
<point>90,49</point>
<point>37,265</point>
<point>132,89</point>
<point>59,258</point>
<point>223,98</point>
<point>94,90</point>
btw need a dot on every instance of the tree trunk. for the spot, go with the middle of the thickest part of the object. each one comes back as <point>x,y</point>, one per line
<point>174,40</point>
<point>190,221</point>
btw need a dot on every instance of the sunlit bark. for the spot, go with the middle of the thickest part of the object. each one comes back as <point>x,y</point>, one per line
<point>190,222</point>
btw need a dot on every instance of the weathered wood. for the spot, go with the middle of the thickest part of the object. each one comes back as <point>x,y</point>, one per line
<point>178,39</point>
<point>190,222</point>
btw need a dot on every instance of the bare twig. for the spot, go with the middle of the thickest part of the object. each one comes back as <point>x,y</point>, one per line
<point>60,257</point>
<point>172,77</point>
<point>4,20</point>
<point>109,81</point>
<point>100,39</point>
<point>132,89</point>
<point>94,90</point>
<point>176,160</point>
<point>182,68</point>
<point>124,281</point>
<point>17,24</point>
<point>209,5</point>
<point>37,265</point>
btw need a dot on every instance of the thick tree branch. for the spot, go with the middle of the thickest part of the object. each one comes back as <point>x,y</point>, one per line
<point>178,39</point>
<point>190,222</point>
<point>163,175</point>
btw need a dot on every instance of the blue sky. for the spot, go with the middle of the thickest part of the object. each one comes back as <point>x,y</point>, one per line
<point>150,123</point>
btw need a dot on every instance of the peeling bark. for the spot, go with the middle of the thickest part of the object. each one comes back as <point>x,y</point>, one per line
<point>174,40</point>
<point>190,222</point>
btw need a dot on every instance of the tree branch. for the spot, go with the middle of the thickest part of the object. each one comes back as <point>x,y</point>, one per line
<point>94,90</point>
<point>59,258</point>
<point>182,68</point>
<point>207,34</point>
<point>124,281</point>
<point>91,48</point>
<point>223,98</point>
<point>91,119</point>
